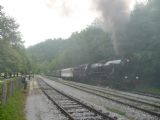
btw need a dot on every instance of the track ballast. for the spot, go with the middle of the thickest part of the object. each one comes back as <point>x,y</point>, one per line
<point>140,105</point>
<point>71,107</point>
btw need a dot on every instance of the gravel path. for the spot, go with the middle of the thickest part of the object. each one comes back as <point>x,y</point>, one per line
<point>124,111</point>
<point>38,107</point>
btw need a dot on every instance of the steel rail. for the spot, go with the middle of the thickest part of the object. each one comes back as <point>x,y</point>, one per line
<point>146,94</point>
<point>103,115</point>
<point>59,107</point>
<point>136,107</point>
<point>112,94</point>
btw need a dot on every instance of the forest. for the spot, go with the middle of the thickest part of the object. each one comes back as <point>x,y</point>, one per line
<point>13,57</point>
<point>139,41</point>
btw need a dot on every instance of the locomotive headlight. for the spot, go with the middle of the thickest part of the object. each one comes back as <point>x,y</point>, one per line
<point>137,77</point>
<point>126,77</point>
<point>128,60</point>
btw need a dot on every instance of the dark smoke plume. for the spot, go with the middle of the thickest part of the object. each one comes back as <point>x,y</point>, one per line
<point>115,14</point>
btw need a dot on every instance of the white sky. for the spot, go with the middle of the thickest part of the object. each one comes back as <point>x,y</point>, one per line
<point>43,19</point>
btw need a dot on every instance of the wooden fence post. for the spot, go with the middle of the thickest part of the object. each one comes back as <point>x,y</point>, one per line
<point>8,87</point>
<point>4,93</point>
<point>1,92</point>
<point>11,88</point>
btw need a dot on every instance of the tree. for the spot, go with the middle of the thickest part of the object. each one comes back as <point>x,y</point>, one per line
<point>12,52</point>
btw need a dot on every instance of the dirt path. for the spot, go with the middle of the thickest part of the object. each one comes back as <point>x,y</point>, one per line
<point>38,107</point>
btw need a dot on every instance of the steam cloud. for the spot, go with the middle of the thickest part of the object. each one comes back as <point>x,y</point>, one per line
<point>63,6</point>
<point>115,14</point>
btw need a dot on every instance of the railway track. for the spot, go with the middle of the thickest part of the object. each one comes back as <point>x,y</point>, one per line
<point>147,107</point>
<point>122,94</point>
<point>71,107</point>
<point>113,93</point>
<point>146,94</point>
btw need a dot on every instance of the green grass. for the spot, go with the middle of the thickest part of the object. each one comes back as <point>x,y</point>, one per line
<point>116,111</point>
<point>0,91</point>
<point>14,108</point>
<point>151,90</point>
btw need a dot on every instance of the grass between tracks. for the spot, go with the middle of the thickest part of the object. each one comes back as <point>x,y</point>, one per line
<point>154,91</point>
<point>116,111</point>
<point>14,108</point>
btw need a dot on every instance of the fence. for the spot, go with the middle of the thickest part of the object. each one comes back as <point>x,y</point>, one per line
<point>8,87</point>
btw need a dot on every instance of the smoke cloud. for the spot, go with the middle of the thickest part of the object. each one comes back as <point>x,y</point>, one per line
<point>63,6</point>
<point>115,15</point>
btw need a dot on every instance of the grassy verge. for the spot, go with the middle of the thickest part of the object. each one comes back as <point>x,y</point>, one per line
<point>0,91</point>
<point>14,108</point>
<point>152,91</point>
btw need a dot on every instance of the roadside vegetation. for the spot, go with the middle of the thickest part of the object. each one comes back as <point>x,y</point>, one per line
<point>13,59</point>
<point>13,56</point>
<point>14,108</point>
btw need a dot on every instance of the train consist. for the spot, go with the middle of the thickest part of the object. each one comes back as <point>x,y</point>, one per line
<point>115,74</point>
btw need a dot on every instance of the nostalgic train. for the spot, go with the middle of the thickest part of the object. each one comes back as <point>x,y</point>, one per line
<point>114,74</point>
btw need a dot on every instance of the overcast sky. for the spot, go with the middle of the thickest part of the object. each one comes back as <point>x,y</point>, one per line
<point>43,19</point>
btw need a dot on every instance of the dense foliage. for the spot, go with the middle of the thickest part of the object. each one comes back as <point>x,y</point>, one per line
<point>90,45</point>
<point>140,41</point>
<point>12,53</point>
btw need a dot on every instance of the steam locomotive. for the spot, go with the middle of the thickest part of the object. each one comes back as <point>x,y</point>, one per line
<point>114,73</point>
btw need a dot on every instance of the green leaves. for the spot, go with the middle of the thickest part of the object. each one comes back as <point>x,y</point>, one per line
<point>12,53</point>
<point>89,45</point>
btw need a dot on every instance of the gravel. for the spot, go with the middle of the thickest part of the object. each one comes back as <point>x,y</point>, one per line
<point>38,107</point>
<point>124,112</point>
<point>123,100</point>
<point>121,93</point>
